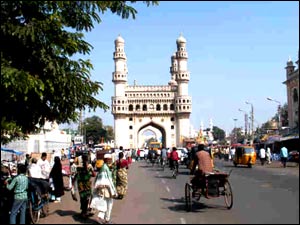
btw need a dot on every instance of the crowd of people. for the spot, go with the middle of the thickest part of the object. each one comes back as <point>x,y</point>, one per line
<point>110,182</point>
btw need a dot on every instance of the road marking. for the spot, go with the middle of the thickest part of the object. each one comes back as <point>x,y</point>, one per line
<point>182,220</point>
<point>168,190</point>
<point>163,181</point>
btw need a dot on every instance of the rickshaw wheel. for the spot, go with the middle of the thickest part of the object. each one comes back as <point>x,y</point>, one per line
<point>34,215</point>
<point>188,197</point>
<point>228,196</point>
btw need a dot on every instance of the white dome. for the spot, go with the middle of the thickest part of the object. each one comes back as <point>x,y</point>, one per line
<point>181,39</point>
<point>119,39</point>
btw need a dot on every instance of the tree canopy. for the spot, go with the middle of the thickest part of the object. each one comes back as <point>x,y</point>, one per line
<point>39,80</point>
<point>94,130</point>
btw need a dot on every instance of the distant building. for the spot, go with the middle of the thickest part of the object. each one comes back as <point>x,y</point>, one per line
<point>50,138</point>
<point>292,86</point>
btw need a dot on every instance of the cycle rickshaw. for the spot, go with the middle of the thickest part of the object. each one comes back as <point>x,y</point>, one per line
<point>213,185</point>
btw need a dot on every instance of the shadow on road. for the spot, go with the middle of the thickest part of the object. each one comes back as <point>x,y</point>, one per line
<point>196,205</point>
<point>76,216</point>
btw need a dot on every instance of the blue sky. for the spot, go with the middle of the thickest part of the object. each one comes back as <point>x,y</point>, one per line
<point>237,53</point>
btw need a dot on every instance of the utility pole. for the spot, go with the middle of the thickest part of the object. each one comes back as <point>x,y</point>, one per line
<point>252,121</point>
<point>235,131</point>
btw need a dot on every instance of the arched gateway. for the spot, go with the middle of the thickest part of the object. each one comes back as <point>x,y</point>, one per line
<point>163,109</point>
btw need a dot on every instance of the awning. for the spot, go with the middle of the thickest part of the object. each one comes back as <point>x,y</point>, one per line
<point>12,151</point>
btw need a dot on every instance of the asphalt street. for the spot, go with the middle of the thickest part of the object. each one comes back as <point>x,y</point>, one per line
<point>262,194</point>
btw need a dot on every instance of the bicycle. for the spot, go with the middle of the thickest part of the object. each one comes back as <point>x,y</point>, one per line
<point>213,185</point>
<point>175,169</point>
<point>38,204</point>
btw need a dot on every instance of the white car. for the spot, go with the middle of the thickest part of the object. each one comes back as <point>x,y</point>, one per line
<point>182,154</point>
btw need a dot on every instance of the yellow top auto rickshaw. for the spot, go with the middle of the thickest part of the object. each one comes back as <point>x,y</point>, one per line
<point>244,155</point>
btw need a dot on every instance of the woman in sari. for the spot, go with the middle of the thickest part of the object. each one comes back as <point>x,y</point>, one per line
<point>84,174</point>
<point>122,179</point>
<point>104,191</point>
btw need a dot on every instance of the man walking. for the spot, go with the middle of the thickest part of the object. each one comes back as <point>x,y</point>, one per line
<point>262,155</point>
<point>283,155</point>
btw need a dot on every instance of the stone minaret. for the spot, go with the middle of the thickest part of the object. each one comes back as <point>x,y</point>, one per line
<point>183,101</point>
<point>290,68</point>
<point>173,70</point>
<point>119,101</point>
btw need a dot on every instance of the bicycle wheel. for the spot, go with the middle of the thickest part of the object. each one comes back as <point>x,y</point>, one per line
<point>34,214</point>
<point>228,196</point>
<point>188,197</point>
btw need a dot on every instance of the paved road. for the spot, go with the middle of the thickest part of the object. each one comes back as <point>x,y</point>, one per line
<point>262,194</point>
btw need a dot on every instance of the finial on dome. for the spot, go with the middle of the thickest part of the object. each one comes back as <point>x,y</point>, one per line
<point>119,39</point>
<point>290,59</point>
<point>181,39</point>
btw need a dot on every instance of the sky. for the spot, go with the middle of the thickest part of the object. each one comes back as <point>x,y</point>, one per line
<point>237,53</point>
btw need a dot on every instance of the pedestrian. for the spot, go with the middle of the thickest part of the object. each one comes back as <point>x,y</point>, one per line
<point>27,160</point>
<point>262,155</point>
<point>6,195</point>
<point>268,155</point>
<point>57,178</point>
<point>232,152</point>
<point>104,191</point>
<point>138,155</point>
<point>74,188</point>
<point>19,185</point>
<point>164,155</point>
<point>122,176</point>
<point>45,166</point>
<point>84,174</point>
<point>283,155</point>
<point>34,169</point>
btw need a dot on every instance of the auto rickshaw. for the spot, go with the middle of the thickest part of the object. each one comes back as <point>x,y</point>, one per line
<point>244,155</point>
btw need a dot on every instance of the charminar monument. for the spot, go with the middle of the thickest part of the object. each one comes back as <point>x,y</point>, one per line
<point>162,109</point>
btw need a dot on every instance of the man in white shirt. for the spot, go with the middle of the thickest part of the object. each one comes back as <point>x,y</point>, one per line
<point>45,166</point>
<point>262,155</point>
<point>34,169</point>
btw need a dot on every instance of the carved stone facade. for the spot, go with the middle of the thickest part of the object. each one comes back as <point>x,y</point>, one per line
<point>163,109</point>
<point>292,85</point>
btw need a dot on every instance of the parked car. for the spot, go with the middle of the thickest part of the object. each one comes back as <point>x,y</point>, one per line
<point>293,156</point>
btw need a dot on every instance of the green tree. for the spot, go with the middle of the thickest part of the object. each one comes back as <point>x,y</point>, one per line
<point>93,129</point>
<point>218,133</point>
<point>109,133</point>
<point>39,79</point>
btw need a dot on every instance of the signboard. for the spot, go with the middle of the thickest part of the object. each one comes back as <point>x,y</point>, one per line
<point>78,140</point>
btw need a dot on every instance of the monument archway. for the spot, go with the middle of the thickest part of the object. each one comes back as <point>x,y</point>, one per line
<point>164,108</point>
<point>156,129</point>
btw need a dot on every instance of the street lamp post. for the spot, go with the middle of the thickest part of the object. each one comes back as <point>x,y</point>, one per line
<point>246,120</point>
<point>278,110</point>
<point>235,132</point>
<point>252,121</point>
